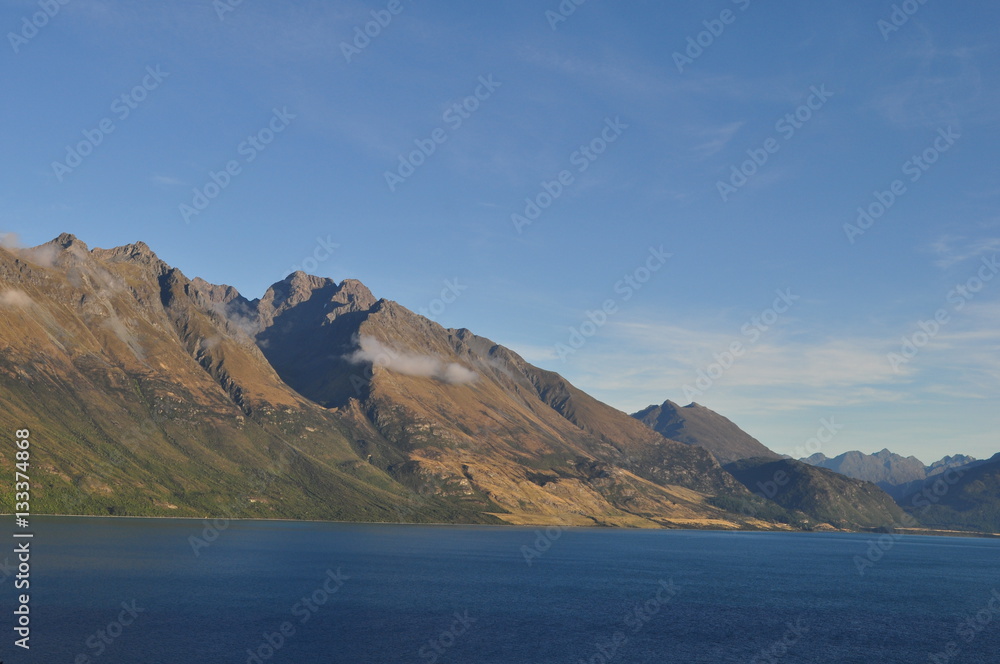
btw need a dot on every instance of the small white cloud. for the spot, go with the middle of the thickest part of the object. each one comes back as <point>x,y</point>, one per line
<point>456,374</point>
<point>10,240</point>
<point>210,342</point>
<point>14,298</point>
<point>44,255</point>
<point>374,351</point>
<point>238,316</point>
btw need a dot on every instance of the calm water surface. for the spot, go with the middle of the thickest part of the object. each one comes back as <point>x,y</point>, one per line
<point>387,594</point>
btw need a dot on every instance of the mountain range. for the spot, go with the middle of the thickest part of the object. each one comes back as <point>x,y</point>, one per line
<point>895,474</point>
<point>149,393</point>
<point>956,492</point>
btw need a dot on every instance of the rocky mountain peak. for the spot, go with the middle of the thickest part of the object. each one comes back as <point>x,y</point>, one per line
<point>67,241</point>
<point>299,287</point>
<point>315,298</point>
<point>137,252</point>
<point>696,425</point>
<point>293,290</point>
<point>215,293</point>
<point>354,293</point>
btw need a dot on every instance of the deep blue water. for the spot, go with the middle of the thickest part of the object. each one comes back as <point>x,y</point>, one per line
<point>467,594</point>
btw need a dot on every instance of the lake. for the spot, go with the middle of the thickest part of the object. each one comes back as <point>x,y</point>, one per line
<point>143,591</point>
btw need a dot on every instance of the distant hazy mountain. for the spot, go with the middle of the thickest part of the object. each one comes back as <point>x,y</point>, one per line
<point>822,494</point>
<point>881,467</point>
<point>955,461</point>
<point>892,472</point>
<point>901,491</point>
<point>696,425</point>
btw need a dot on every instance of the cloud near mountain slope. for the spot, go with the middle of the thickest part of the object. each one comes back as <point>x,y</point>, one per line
<point>372,351</point>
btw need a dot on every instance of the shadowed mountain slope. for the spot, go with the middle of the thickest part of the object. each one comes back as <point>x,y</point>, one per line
<point>824,495</point>
<point>961,498</point>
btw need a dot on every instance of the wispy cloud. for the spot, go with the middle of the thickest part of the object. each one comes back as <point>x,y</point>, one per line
<point>717,138</point>
<point>371,350</point>
<point>10,240</point>
<point>943,88</point>
<point>951,249</point>
<point>637,362</point>
<point>44,255</point>
<point>672,356</point>
<point>165,180</point>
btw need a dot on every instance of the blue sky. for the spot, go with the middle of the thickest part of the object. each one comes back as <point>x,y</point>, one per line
<point>621,143</point>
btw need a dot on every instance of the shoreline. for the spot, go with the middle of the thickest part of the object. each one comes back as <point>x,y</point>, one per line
<point>917,532</point>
